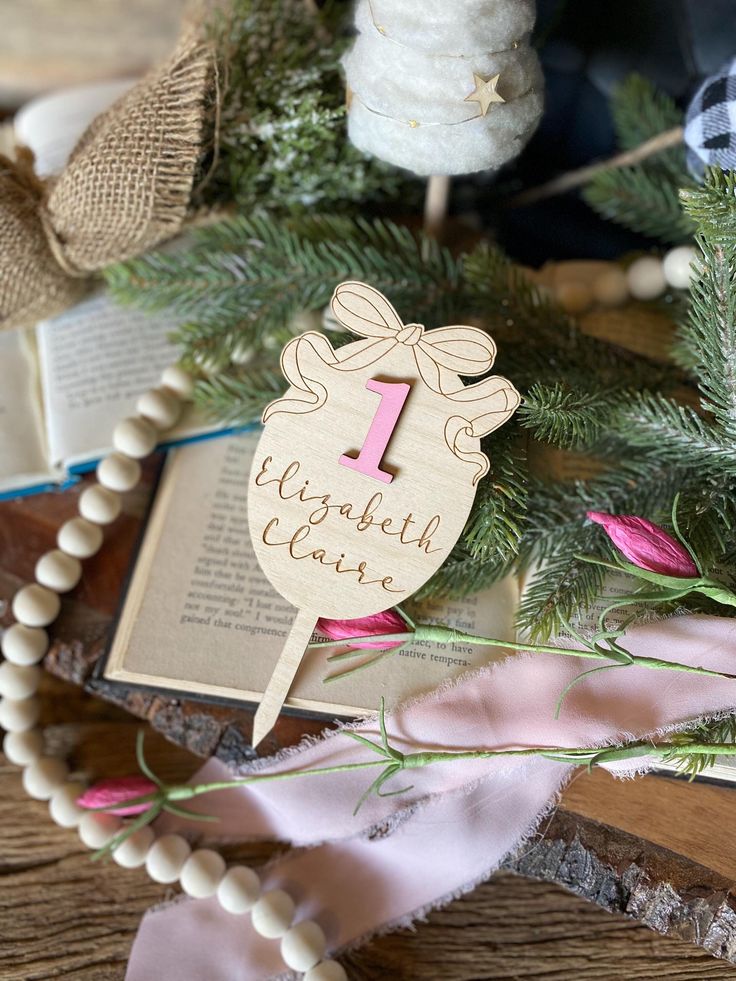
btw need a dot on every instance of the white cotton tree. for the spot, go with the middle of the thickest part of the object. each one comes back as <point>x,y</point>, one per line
<point>443,86</point>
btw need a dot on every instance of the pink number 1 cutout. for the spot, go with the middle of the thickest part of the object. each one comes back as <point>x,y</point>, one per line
<point>393,395</point>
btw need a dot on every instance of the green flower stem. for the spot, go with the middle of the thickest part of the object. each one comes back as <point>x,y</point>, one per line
<point>672,587</point>
<point>392,762</point>
<point>588,755</point>
<point>187,792</point>
<point>447,635</point>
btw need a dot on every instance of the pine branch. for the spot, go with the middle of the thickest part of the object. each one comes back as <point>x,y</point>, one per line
<point>672,433</point>
<point>188,282</point>
<point>708,339</point>
<point>497,520</point>
<point>712,205</point>
<point>642,111</point>
<point>507,298</point>
<point>568,418</point>
<point>276,268</point>
<point>643,200</point>
<point>461,575</point>
<point>644,197</point>
<point>561,587</point>
<point>528,326</point>
<point>282,139</point>
<point>240,399</point>
<point>719,731</point>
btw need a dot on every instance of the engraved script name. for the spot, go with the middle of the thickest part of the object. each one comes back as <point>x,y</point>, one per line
<point>289,486</point>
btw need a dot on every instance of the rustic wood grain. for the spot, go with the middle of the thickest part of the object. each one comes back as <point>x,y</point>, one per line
<point>63,917</point>
<point>49,44</point>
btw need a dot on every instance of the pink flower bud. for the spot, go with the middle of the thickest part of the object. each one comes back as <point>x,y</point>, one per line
<point>647,545</point>
<point>388,622</point>
<point>112,795</point>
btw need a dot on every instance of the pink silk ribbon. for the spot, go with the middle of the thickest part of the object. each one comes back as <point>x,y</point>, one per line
<point>404,855</point>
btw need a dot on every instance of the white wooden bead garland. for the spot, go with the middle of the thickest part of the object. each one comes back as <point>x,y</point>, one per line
<point>99,505</point>
<point>96,830</point>
<point>134,437</point>
<point>159,406</point>
<point>168,858</point>
<point>58,571</point>
<point>647,278</point>
<point>131,854</point>
<point>273,914</point>
<point>18,680</point>
<point>63,806</point>
<point>118,472</point>
<point>80,538</point>
<point>24,645</point>
<point>36,606</point>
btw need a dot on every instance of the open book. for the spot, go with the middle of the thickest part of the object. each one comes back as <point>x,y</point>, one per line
<point>200,616</point>
<point>65,384</point>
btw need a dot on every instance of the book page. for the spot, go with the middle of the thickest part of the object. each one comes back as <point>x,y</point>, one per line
<point>52,124</point>
<point>200,615</point>
<point>22,449</point>
<point>96,359</point>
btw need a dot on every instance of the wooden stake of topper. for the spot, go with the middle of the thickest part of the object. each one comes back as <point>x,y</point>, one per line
<point>367,467</point>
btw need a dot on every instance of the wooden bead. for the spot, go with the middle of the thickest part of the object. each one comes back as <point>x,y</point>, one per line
<point>239,890</point>
<point>36,606</point>
<point>611,288</point>
<point>44,776</point>
<point>99,505</point>
<point>131,854</point>
<point>327,971</point>
<point>97,829</point>
<point>19,716</point>
<point>179,381</point>
<point>23,748</point>
<point>159,406</point>
<point>574,297</point>
<point>18,680</point>
<point>24,645</point>
<point>79,538</point>
<point>273,914</point>
<point>58,571</point>
<point>63,806</point>
<point>166,858</point>
<point>646,279</point>
<point>676,266</point>
<point>134,437</point>
<point>202,873</point>
<point>118,472</point>
<point>303,946</point>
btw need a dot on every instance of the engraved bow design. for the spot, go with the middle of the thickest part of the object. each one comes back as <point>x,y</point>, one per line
<point>440,354</point>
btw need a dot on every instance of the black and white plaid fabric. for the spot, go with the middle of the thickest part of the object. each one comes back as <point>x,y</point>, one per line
<point>710,124</point>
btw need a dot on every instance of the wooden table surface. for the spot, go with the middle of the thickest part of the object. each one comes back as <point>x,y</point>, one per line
<point>662,851</point>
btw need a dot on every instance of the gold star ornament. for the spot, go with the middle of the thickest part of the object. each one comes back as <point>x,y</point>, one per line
<point>485,92</point>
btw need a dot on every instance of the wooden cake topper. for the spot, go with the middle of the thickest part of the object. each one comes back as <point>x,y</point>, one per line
<point>367,467</point>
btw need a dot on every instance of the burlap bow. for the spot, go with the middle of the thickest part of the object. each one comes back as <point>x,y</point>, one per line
<point>441,355</point>
<point>126,188</point>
